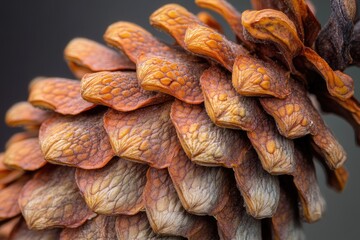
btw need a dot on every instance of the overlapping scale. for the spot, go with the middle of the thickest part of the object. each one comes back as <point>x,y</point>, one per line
<point>118,90</point>
<point>285,223</point>
<point>114,189</point>
<point>86,56</point>
<point>203,141</point>
<point>206,42</point>
<point>22,231</point>
<point>287,42</point>
<point>300,14</point>
<point>9,196</point>
<point>134,41</point>
<point>62,200</point>
<point>174,19</point>
<point>58,94</point>
<point>24,154</point>
<point>79,141</point>
<point>202,166</point>
<point>24,114</point>
<point>137,227</point>
<point>229,13</point>
<point>292,114</point>
<point>259,189</point>
<point>165,212</point>
<point>202,190</point>
<point>100,227</point>
<point>7,175</point>
<point>234,222</point>
<point>255,77</point>
<point>146,135</point>
<point>228,109</point>
<point>177,75</point>
<point>312,202</point>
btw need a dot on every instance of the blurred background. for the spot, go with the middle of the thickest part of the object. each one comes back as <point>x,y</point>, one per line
<point>34,34</point>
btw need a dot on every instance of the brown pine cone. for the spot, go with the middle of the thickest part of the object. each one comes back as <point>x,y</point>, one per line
<point>206,138</point>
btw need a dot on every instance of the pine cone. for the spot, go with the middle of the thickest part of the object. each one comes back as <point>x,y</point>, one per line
<point>203,139</point>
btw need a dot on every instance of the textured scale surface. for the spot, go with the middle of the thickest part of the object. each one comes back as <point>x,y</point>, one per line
<point>202,190</point>
<point>76,141</point>
<point>255,77</point>
<point>8,196</point>
<point>165,212</point>
<point>137,227</point>
<point>86,56</point>
<point>22,232</point>
<point>118,90</point>
<point>114,189</point>
<point>176,75</point>
<point>205,138</point>
<point>204,142</point>
<point>276,152</point>
<point>133,40</point>
<point>259,189</point>
<point>175,20</point>
<point>25,154</point>
<point>233,221</point>
<point>23,113</point>
<point>58,94</point>
<point>204,41</point>
<point>292,115</point>
<point>100,227</point>
<point>146,135</point>
<point>223,105</point>
<point>62,200</point>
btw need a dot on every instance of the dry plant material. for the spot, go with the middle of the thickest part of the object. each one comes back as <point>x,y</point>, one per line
<point>25,154</point>
<point>62,200</point>
<point>21,231</point>
<point>206,42</point>
<point>86,56</point>
<point>100,227</point>
<point>334,40</point>
<point>8,198</point>
<point>234,222</point>
<point>229,13</point>
<point>17,137</point>
<point>292,114</point>
<point>137,227</point>
<point>203,142</point>
<point>165,212</point>
<point>210,21</point>
<point>76,141</point>
<point>207,138</point>
<point>259,189</point>
<point>202,190</point>
<point>118,90</point>
<point>7,175</point>
<point>285,223</point>
<point>24,114</point>
<point>58,94</point>
<point>135,136</point>
<point>101,187</point>
<point>312,202</point>
<point>300,13</point>
<point>174,19</point>
<point>255,77</point>
<point>134,41</point>
<point>177,75</point>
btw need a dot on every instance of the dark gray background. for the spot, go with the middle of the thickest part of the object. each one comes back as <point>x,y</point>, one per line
<point>34,33</point>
